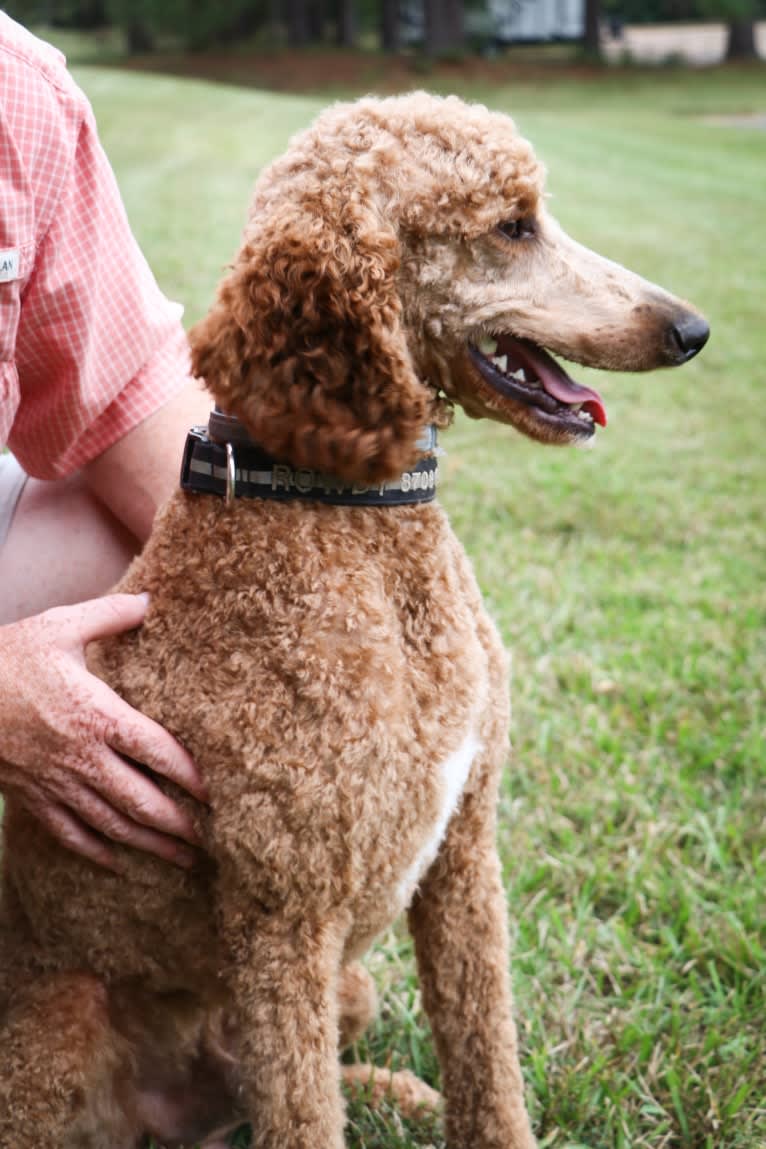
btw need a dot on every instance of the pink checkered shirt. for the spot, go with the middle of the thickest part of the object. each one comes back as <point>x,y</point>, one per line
<point>89,345</point>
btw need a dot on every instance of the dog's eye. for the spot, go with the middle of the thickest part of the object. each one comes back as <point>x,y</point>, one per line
<point>517,228</point>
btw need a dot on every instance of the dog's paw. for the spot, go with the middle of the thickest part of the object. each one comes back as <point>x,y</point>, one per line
<point>412,1096</point>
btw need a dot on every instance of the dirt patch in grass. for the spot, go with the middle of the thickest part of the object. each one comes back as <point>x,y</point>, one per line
<point>305,72</point>
<point>756,120</point>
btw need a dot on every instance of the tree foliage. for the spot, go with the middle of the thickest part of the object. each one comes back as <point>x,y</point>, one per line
<point>200,24</point>
<point>673,11</point>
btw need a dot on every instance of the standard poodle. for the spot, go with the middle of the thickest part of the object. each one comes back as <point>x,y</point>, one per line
<point>317,640</point>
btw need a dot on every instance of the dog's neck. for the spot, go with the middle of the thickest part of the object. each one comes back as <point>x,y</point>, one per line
<point>221,459</point>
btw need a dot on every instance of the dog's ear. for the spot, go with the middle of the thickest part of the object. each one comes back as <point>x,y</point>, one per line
<point>305,343</point>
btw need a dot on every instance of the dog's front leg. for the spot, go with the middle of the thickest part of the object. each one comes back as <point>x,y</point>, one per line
<point>459,924</point>
<point>283,975</point>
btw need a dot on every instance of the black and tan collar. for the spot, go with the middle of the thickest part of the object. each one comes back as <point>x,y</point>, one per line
<point>220,459</point>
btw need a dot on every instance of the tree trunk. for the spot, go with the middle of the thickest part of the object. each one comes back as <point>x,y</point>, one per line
<point>433,28</point>
<point>139,38</point>
<point>741,40</point>
<point>345,23</point>
<point>592,33</point>
<point>454,18</point>
<point>443,27</point>
<point>87,14</point>
<point>297,23</point>
<point>246,22</point>
<point>390,40</point>
<point>315,21</point>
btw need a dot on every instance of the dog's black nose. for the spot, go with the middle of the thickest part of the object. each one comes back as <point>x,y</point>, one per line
<point>690,334</point>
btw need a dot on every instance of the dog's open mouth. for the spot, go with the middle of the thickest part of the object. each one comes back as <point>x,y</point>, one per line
<point>520,370</point>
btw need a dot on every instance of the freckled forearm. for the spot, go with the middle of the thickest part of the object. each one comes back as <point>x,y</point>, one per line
<point>135,476</point>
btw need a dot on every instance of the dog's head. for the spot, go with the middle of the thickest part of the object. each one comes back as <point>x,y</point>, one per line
<point>399,258</point>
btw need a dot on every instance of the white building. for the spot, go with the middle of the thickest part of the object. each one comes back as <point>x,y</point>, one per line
<point>494,22</point>
<point>517,21</point>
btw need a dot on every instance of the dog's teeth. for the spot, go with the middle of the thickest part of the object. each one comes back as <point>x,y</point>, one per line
<point>520,375</point>
<point>501,361</point>
<point>487,346</point>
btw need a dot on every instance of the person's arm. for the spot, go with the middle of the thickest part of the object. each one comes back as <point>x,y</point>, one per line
<point>99,350</point>
<point>68,742</point>
<point>138,473</point>
<point>104,388</point>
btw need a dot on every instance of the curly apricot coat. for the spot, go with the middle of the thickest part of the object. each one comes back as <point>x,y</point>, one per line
<point>331,669</point>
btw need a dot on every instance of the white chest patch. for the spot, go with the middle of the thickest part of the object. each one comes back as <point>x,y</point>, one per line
<point>454,771</point>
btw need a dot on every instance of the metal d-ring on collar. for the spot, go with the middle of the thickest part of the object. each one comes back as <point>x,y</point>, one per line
<point>231,475</point>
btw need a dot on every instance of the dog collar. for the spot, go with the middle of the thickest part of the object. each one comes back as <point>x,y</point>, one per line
<point>221,459</point>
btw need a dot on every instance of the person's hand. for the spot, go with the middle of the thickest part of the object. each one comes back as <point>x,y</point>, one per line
<point>69,746</point>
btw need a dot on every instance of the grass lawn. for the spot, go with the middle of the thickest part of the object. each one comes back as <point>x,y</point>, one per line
<point>629,582</point>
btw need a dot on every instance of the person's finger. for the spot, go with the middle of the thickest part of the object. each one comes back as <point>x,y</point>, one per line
<point>145,741</point>
<point>70,832</point>
<point>100,617</point>
<point>115,825</point>
<point>123,787</point>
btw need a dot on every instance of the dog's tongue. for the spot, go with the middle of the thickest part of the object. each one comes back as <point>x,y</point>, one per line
<point>557,383</point>
<point>567,391</point>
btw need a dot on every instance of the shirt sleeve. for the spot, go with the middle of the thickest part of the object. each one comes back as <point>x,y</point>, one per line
<point>98,347</point>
